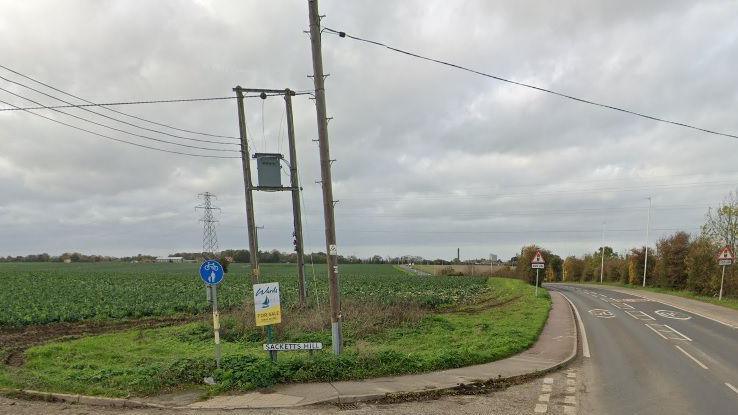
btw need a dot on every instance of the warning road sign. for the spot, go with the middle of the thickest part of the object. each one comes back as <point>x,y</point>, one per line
<point>538,258</point>
<point>726,256</point>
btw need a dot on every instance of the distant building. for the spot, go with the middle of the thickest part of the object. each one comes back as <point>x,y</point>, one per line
<point>170,259</point>
<point>492,258</point>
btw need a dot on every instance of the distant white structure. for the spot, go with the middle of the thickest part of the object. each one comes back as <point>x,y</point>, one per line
<point>492,258</point>
<point>170,259</point>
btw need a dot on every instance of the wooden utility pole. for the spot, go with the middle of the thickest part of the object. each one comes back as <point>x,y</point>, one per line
<point>325,174</point>
<point>246,165</point>
<point>295,185</point>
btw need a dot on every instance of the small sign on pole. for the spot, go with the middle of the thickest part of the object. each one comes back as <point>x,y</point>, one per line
<point>725,259</point>
<point>212,273</point>
<point>537,263</point>
<point>267,310</point>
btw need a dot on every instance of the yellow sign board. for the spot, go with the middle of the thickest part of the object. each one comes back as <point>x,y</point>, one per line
<point>267,309</point>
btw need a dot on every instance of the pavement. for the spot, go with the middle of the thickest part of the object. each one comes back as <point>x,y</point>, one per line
<point>654,353</point>
<point>556,346</point>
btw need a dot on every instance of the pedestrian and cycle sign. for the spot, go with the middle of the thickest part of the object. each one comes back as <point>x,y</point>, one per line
<point>267,309</point>
<point>726,256</point>
<point>211,272</point>
<point>538,262</point>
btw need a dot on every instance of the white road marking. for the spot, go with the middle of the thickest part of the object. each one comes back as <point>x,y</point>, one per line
<point>602,313</point>
<point>570,389</point>
<point>667,332</point>
<point>679,333</point>
<point>582,332</point>
<point>544,397</point>
<point>572,400</point>
<point>546,388</point>
<point>731,387</point>
<point>692,357</point>
<point>571,382</point>
<point>568,410</point>
<point>672,314</point>
<point>541,408</point>
<point>571,375</point>
<point>624,306</point>
<point>639,315</point>
<point>688,311</point>
<point>548,381</point>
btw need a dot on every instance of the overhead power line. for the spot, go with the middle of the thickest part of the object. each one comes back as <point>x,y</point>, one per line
<point>537,88</point>
<point>119,120</point>
<point>118,139</point>
<point>121,112</point>
<point>121,130</point>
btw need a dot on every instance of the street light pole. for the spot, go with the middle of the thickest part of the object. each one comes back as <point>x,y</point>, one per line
<point>602,254</point>
<point>645,248</point>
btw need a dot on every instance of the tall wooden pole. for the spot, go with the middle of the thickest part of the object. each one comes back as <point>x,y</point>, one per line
<point>325,173</point>
<point>246,165</point>
<point>296,213</point>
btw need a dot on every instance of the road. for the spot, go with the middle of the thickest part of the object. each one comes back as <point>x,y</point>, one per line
<point>650,358</point>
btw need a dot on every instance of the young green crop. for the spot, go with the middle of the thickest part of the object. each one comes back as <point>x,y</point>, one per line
<point>43,293</point>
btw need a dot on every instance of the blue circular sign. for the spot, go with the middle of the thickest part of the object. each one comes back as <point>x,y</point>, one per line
<point>211,272</point>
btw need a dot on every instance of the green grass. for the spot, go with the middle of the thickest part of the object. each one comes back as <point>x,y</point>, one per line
<point>43,293</point>
<point>728,302</point>
<point>502,320</point>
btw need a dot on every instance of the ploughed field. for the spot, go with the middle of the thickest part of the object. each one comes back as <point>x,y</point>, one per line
<point>43,293</point>
<point>120,329</point>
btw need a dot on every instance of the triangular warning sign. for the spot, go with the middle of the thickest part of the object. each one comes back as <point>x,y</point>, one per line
<point>726,253</point>
<point>538,258</point>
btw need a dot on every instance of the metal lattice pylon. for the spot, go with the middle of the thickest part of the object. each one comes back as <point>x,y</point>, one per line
<point>209,235</point>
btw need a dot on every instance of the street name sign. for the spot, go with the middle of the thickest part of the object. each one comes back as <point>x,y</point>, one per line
<point>290,347</point>
<point>211,272</point>
<point>267,309</point>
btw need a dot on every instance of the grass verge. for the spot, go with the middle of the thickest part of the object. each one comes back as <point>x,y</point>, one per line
<point>504,320</point>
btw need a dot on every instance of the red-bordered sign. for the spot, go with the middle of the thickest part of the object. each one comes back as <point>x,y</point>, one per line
<point>538,258</point>
<point>726,256</point>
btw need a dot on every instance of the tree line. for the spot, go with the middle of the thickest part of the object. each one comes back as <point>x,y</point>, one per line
<point>680,261</point>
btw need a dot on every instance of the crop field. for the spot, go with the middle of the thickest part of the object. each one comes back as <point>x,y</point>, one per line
<point>44,293</point>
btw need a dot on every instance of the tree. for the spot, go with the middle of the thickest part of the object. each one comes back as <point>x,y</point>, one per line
<point>635,266</point>
<point>573,268</point>
<point>670,270</point>
<point>721,224</point>
<point>701,267</point>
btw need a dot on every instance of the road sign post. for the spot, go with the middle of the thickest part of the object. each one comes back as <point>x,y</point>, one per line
<point>537,263</point>
<point>211,273</point>
<point>725,259</point>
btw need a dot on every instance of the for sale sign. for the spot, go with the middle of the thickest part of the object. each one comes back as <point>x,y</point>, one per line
<point>267,309</point>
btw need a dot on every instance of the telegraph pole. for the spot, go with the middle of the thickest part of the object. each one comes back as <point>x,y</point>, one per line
<point>295,185</point>
<point>246,165</point>
<point>325,174</point>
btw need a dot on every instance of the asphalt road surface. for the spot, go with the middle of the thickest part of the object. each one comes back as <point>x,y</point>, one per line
<point>650,358</point>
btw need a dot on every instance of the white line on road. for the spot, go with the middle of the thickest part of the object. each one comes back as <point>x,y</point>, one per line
<point>692,357</point>
<point>677,332</point>
<point>639,315</point>
<point>731,387</point>
<point>656,331</point>
<point>683,309</point>
<point>585,344</point>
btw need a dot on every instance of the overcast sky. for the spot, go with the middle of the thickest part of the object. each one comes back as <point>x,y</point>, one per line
<point>428,158</point>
